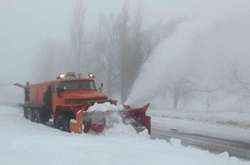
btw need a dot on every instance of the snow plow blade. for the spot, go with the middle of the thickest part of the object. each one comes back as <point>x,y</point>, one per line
<point>99,121</point>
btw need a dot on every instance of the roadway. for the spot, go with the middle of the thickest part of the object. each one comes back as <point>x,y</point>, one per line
<point>213,144</point>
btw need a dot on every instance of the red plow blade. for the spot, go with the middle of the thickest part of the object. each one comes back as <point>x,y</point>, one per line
<point>98,121</point>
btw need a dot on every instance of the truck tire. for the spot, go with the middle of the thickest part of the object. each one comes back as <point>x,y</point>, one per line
<point>62,122</point>
<point>25,113</point>
<point>44,115</point>
<point>36,116</point>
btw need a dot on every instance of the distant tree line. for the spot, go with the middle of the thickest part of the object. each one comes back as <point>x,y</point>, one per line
<point>114,50</point>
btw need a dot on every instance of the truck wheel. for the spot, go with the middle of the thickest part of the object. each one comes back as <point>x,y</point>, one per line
<point>25,113</point>
<point>28,113</point>
<point>62,123</point>
<point>36,116</point>
<point>44,116</point>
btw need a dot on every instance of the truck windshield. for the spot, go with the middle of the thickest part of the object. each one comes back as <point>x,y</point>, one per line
<point>76,85</point>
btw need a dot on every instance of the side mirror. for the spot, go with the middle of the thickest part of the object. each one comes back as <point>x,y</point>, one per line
<point>101,87</point>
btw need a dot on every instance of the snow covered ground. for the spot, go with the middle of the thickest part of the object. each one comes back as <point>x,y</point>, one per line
<point>222,124</point>
<point>26,143</point>
<point>229,118</point>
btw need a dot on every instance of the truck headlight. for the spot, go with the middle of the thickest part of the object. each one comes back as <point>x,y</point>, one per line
<point>61,76</point>
<point>91,75</point>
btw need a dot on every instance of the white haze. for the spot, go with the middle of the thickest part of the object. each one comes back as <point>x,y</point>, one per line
<point>210,43</point>
<point>209,46</point>
<point>26,25</point>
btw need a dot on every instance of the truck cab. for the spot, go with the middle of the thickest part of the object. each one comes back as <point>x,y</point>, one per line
<point>69,94</point>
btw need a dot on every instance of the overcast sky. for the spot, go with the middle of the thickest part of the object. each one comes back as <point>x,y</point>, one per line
<point>25,24</point>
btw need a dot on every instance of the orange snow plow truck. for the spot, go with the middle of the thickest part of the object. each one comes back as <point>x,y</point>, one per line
<point>69,104</point>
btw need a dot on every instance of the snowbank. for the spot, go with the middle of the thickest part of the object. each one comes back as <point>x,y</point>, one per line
<point>105,107</point>
<point>218,129</point>
<point>26,143</point>
<point>227,118</point>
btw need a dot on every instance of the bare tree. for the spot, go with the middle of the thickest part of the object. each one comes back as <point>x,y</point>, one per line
<point>104,52</point>
<point>78,42</point>
<point>114,45</point>
<point>124,50</point>
<point>53,57</point>
<point>243,86</point>
<point>127,46</point>
<point>209,92</point>
<point>180,89</point>
<point>116,49</point>
<point>136,45</point>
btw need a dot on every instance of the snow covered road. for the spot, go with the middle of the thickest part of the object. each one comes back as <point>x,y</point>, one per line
<point>26,143</point>
<point>207,131</point>
<point>213,144</point>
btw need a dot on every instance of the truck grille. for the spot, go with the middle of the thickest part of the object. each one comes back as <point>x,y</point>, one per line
<point>77,101</point>
<point>83,101</point>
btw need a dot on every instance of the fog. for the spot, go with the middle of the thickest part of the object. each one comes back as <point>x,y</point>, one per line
<point>26,24</point>
<point>174,54</point>
<point>204,64</point>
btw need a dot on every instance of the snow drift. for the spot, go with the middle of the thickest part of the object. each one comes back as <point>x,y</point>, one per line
<point>104,107</point>
<point>24,142</point>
